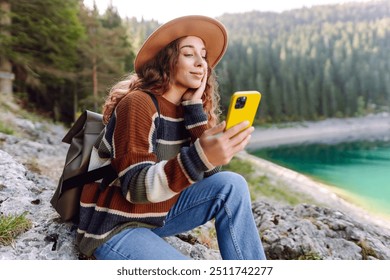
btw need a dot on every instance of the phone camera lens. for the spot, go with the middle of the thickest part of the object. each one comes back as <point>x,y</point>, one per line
<point>240,102</point>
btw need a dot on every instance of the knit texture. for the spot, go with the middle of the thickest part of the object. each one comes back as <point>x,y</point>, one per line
<point>156,157</point>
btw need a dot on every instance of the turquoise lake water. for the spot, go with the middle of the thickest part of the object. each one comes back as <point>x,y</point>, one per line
<point>360,168</point>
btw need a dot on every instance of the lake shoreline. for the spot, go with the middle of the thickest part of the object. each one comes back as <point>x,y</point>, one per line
<point>323,194</point>
<point>370,128</point>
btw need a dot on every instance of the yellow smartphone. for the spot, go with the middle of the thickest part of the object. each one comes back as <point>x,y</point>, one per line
<point>243,106</point>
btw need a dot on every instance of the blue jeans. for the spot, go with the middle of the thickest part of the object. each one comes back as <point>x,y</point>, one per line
<point>223,196</point>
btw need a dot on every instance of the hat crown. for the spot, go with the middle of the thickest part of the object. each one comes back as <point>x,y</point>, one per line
<point>211,31</point>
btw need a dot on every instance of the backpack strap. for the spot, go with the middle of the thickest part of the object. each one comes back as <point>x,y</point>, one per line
<point>106,171</point>
<point>155,101</point>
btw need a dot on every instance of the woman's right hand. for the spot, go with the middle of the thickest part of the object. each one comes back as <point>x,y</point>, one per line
<point>220,146</point>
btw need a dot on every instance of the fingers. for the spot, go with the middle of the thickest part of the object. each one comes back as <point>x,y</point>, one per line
<point>235,145</point>
<point>231,132</point>
<point>220,150</point>
<point>196,93</point>
<point>199,92</point>
<point>241,136</point>
<point>242,144</point>
<point>216,129</point>
<point>204,80</point>
<point>235,134</point>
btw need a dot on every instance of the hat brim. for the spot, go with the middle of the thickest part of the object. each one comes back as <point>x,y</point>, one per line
<point>211,31</point>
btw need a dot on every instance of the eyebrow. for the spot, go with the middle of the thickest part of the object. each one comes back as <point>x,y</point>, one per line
<point>191,46</point>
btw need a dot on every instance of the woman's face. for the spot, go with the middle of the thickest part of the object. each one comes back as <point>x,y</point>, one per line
<point>191,65</point>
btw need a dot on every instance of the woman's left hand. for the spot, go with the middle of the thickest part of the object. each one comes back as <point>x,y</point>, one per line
<point>196,94</point>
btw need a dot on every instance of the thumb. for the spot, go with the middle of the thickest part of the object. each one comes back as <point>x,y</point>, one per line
<point>216,129</point>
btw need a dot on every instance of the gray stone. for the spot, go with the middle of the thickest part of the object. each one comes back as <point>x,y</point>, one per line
<point>312,232</point>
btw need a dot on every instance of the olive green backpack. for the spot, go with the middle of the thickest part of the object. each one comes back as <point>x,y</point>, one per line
<point>81,137</point>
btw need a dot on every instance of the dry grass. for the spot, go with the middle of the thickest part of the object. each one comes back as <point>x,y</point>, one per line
<point>11,226</point>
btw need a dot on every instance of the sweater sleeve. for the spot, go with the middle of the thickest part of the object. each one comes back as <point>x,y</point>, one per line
<point>143,178</point>
<point>195,119</point>
<point>196,123</point>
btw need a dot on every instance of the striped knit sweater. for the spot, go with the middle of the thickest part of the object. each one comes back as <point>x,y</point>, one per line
<point>153,166</point>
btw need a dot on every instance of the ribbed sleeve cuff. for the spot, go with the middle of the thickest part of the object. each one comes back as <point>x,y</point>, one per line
<point>193,163</point>
<point>191,102</point>
<point>194,114</point>
<point>202,155</point>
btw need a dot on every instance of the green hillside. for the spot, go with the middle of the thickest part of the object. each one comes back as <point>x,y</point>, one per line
<point>310,64</point>
<point>327,61</point>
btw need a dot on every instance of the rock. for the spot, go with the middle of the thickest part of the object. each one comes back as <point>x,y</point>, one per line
<point>16,195</point>
<point>195,251</point>
<point>312,232</point>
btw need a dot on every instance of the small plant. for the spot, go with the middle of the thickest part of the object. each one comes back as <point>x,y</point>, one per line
<point>33,165</point>
<point>6,129</point>
<point>11,226</point>
<point>367,251</point>
<point>310,256</point>
<point>207,237</point>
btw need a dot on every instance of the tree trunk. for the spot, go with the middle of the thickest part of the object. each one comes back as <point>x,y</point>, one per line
<point>6,75</point>
<point>95,83</point>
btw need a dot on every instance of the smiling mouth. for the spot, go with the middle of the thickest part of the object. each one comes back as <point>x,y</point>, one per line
<point>200,74</point>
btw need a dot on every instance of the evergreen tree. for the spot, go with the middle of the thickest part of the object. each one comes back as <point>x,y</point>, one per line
<point>43,50</point>
<point>106,55</point>
<point>327,61</point>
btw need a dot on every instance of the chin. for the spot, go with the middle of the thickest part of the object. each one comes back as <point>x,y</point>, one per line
<point>194,85</point>
<point>189,84</point>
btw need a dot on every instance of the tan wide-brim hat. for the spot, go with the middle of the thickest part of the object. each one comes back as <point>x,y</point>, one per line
<point>211,31</point>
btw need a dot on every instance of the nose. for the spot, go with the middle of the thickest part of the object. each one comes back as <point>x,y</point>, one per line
<point>200,61</point>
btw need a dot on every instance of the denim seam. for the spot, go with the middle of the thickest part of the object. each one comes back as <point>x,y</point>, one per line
<point>232,232</point>
<point>115,251</point>
<point>222,197</point>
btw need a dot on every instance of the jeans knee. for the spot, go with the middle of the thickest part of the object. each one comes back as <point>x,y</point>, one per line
<point>234,183</point>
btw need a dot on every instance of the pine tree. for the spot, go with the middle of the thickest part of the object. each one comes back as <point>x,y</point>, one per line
<point>106,55</point>
<point>43,50</point>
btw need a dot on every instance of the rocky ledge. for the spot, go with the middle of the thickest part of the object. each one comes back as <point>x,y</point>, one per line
<point>29,168</point>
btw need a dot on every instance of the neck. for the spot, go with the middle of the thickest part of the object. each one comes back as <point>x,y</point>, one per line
<point>174,95</point>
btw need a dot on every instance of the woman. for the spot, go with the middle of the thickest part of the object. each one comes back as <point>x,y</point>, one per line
<point>167,157</point>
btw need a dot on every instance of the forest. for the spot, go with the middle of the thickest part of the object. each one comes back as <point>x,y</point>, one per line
<point>309,64</point>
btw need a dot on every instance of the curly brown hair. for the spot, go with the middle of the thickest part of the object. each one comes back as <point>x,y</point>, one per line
<point>155,77</point>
